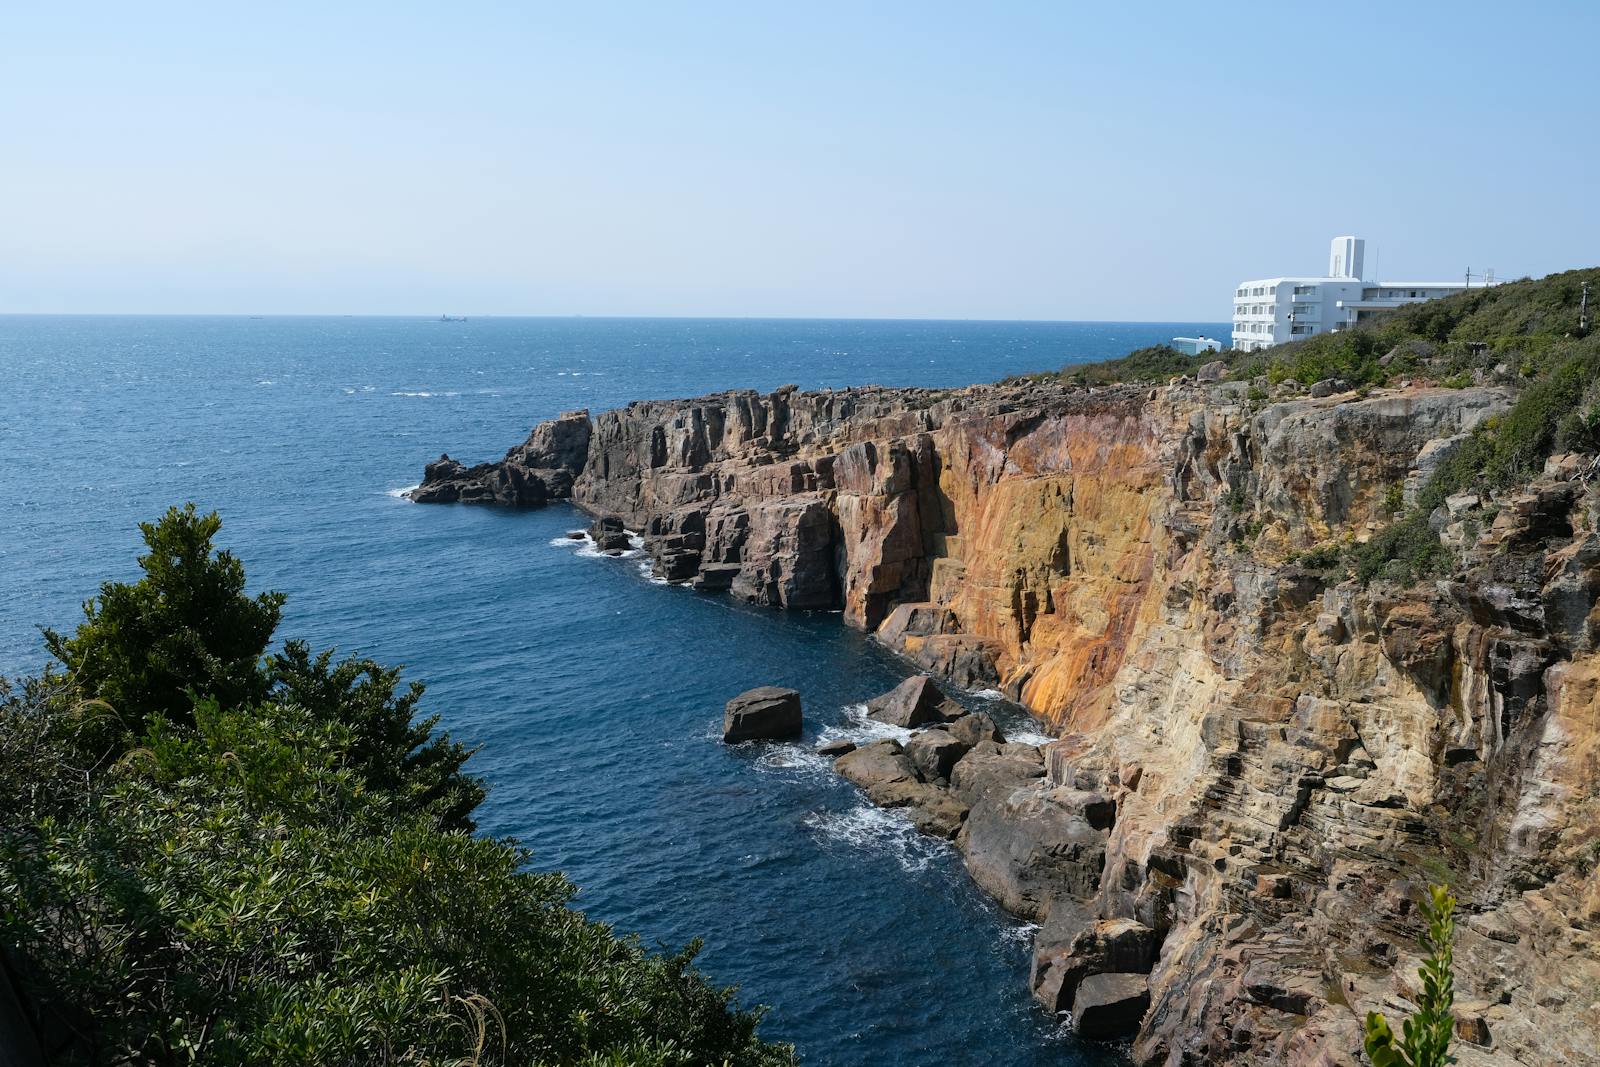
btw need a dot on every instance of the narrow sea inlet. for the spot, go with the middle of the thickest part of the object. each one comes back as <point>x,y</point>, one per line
<point>594,693</point>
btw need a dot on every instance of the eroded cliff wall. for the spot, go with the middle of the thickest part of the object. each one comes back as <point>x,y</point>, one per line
<point>1288,756</point>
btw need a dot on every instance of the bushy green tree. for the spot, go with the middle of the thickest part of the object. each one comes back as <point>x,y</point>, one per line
<point>1425,1036</point>
<point>186,626</point>
<point>390,747</point>
<point>187,631</point>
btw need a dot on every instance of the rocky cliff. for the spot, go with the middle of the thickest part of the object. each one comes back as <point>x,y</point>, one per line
<point>1260,762</point>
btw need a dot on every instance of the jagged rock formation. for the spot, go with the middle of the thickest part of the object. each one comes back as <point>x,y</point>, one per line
<point>1258,768</point>
<point>537,471</point>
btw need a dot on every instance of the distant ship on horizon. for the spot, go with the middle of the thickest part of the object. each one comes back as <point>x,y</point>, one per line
<point>452,318</point>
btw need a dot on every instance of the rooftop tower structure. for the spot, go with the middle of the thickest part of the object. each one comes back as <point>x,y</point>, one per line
<point>1347,257</point>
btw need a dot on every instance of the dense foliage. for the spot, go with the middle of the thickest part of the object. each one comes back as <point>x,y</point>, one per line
<point>1424,1040</point>
<point>267,863</point>
<point>1157,363</point>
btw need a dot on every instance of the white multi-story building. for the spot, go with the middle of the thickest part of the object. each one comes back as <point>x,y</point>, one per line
<point>1274,310</point>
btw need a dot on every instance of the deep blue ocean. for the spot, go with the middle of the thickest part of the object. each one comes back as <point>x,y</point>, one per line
<point>596,695</point>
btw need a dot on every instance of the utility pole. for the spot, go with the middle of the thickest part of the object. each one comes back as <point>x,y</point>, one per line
<point>1583,311</point>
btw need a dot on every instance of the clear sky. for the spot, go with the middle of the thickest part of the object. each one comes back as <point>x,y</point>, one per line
<point>951,160</point>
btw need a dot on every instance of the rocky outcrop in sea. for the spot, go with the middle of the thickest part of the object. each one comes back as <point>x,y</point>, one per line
<point>1259,765</point>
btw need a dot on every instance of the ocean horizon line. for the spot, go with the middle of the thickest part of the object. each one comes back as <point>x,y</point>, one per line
<point>452,318</point>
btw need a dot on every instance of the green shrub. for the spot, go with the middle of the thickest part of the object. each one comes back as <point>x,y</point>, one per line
<point>1349,354</point>
<point>1321,557</point>
<point>1426,1035</point>
<point>1158,363</point>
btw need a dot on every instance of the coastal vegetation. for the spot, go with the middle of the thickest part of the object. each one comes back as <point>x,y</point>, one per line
<point>1424,1040</point>
<point>219,855</point>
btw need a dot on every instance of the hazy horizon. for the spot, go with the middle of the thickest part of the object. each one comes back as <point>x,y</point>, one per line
<point>427,315</point>
<point>1024,162</point>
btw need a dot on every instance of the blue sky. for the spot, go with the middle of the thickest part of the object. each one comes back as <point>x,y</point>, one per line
<point>949,160</point>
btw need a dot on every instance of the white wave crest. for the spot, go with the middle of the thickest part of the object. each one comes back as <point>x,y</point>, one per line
<point>856,726</point>
<point>404,492</point>
<point>988,694</point>
<point>1027,735</point>
<point>796,760</point>
<point>585,547</point>
<point>1022,932</point>
<point>876,829</point>
<point>647,569</point>
<point>424,393</point>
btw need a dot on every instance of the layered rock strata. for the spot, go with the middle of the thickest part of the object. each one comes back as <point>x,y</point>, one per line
<point>1259,763</point>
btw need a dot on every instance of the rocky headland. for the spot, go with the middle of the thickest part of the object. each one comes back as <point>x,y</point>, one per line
<point>1261,762</point>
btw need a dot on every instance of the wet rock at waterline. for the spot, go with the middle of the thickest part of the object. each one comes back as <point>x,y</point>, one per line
<point>914,702</point>
<point>975,727</point>
<point>891,779</point>
<point>541,469</point>
<point>609,535</point>
<point>767,713</point>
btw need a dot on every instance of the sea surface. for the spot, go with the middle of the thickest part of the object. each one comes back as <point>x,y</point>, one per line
<point>595,693</point>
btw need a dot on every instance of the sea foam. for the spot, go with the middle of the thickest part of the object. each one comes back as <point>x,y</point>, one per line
<point>878,830</point>
<point>856,726</point>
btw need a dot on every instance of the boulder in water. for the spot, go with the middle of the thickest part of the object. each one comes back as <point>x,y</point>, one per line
<point>914,702</point>
<point>767,713</point>
<point>609,535</point>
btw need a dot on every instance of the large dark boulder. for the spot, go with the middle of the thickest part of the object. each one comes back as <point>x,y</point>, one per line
<point>934,754</point>
<point>990,766</point>
<point>1110,1006</point>
<point>975,727</point>
<point>764,714</point>
<point>609,535</point>
<point>1032,845</point>
<point>882,769</point>
<point>914,702</point>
